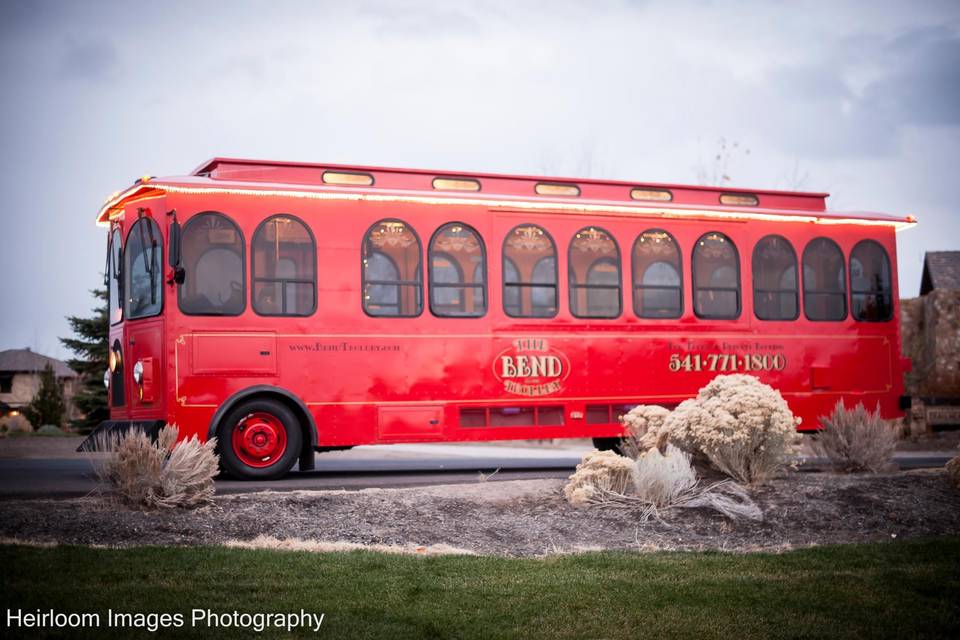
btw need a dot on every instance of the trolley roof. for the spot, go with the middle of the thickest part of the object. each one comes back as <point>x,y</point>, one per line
<point>261,178</point>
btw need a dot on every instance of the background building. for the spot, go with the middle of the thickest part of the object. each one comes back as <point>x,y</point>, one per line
<point>20,371</point>
<point>931,339</point>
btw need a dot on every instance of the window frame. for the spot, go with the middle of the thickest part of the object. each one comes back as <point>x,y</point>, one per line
<point>243,266</point>
<point>420,284</point>
<point>639,287</point>
<point>738,290</point>
<point>870,292</point>
<point>756,290</point>
<point>572,283</point>
<point>127,268</point>
<point>521,285</point>
<point>843,294</point>
<point>283,281</point>
<point>463,276</point>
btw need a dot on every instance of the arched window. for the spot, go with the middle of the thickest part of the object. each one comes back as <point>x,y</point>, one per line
<point>213,257</point>
<point>143,270</point>
<point>114,275</point>
<point>457,253</point>
<point>871,296</point>
<point>776,292</point>
<point>392,270</point>
<point>716,277</point>
<point>283,258</point>
<point>594,266</point>
<point>824,281</point>
<point>657,288</point>
<point>529,273</point>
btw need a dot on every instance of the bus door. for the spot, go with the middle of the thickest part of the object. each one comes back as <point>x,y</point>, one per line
<point>143,325</point>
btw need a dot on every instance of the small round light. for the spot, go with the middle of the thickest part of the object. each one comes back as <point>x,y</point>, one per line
<point>106,378</point>
<point>138,372</point>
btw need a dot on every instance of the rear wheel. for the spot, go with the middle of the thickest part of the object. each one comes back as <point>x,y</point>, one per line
<point>259,439</point>
<point>609,444</point>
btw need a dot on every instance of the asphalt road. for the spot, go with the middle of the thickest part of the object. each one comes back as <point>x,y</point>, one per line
<point>74,477</point>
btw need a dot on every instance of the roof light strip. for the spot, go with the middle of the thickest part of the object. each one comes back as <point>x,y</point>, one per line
<point>515,204</point>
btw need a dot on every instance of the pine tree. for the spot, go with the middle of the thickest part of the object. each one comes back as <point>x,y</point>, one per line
<point>91,347</point>
<point>47,406</point>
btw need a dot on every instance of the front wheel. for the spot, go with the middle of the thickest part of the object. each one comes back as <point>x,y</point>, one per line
<point>259,440</point>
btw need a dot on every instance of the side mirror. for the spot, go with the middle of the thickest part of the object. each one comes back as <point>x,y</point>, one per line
<point>174,253</point>
<point>173,256</point>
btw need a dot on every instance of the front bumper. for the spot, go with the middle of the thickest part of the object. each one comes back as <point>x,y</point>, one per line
<point>108,430</point>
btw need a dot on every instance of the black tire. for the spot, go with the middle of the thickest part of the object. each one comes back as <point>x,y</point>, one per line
<point>609,444</point>
<point>269,416</point>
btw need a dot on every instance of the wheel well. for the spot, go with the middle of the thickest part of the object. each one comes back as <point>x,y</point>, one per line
<point>308,427</point>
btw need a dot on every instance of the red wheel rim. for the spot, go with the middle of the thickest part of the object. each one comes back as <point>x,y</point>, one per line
<point>259,440</point>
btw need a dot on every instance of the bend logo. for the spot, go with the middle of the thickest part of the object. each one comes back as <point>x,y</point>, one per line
<point>531,367</point>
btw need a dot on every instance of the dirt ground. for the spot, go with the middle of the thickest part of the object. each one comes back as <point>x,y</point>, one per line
<point>516,518</point>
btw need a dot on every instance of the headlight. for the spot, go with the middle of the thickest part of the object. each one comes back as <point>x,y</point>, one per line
<point>114,359</point>
<point>138,372</point>
<point>106,378</point>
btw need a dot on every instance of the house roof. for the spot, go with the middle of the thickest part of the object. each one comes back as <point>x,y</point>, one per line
<point>941,270</point>
<point>25,360</point>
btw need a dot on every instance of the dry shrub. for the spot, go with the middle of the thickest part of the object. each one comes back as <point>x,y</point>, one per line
<point>599,474</point>
<point>743,427</point>
<point>15,424</point>
<point>162,473</point>
<point>856,439</point>
<point>953,472</point>
<point>654,481</point>
<point>644,429</point>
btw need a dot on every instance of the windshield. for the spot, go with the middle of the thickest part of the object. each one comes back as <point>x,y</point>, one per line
<point>142,270</point>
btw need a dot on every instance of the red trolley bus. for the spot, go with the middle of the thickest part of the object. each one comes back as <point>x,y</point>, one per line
<point>287,308</point>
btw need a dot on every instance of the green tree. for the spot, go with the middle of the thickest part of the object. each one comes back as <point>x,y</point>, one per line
<point>47,406</point>
<point>91,345</point>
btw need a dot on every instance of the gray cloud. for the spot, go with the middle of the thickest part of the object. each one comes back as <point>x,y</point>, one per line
<point>91,60</point>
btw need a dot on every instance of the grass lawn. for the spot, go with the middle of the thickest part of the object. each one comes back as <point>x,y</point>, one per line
<point>894,589</point>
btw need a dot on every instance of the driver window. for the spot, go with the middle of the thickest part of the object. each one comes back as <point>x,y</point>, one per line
<point>213,259</point>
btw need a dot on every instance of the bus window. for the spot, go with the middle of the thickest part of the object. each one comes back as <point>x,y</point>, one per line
<point>213,261</point>
<point>775,289</point>
<point>114,275</point>
<point>824,281</point>
<point>657,288</point>
<point>529,273</point>
<point>283,259</point>
<point>594,274</point>
<point>143,271</point>
<point>392,270</point>
<point>716,277</point>
<point>871,298</point>
<point>458,268</point>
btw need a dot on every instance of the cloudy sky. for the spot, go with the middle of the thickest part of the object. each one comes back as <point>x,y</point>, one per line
<point>861,99</point>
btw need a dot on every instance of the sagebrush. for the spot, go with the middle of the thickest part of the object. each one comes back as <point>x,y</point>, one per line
<point>644,429</point>
<point>600,473</point>
<point>654,481</point>
<point>159,474</point>
<point>743,427</point>
<point>856,439</point>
